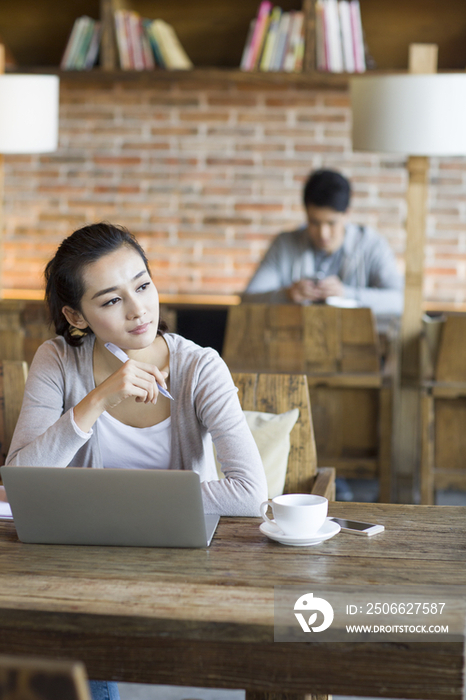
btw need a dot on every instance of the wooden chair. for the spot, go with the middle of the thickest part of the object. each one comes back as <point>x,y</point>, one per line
<point>350,389</point>
<point>12,380</point>
<point>277,393</point>
<point>443,407</point>
<point>24,325</point>
<point>41,679</point>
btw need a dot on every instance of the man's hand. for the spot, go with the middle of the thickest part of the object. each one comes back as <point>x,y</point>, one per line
<point>303,291</point>
<point>331,287</point>
<point>307,290</point>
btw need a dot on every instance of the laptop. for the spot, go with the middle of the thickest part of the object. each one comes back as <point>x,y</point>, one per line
<point>118,507</point>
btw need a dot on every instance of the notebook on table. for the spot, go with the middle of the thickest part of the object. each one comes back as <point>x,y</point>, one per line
<point>119,507</point>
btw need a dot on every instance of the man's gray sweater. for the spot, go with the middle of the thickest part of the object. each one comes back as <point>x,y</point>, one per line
<point>365,264</point>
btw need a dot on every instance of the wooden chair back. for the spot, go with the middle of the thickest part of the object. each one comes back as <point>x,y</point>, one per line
<point>23,678</point>
<point>451,359</point>
<point>443,401</point>
<point>13,376</point>
<point>316,339</point>
<point>277,393</point>
<point>24,325</point>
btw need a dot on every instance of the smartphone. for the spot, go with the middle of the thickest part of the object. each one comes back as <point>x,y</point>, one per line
<point>357,528</point>
<point>316,277</point>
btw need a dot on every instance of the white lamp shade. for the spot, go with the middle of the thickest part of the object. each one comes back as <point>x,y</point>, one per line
<point>421,115</point>
<point>28,113</point>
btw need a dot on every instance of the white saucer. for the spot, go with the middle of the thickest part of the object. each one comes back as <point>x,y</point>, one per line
<point>328,530</point>
<point>342,302</point>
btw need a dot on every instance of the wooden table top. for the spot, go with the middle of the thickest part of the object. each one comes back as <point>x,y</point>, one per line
<point>132,613</point>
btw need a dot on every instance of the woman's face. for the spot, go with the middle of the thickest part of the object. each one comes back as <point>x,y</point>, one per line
<point>120,301</point>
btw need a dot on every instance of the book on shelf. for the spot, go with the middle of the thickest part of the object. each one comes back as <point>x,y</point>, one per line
<point>358,37</point>
<point>346,36</point>
<point>173,54</point>
<point>280,45</point>
<point>83,45</point>
<point>122,40</point>
<point>133,27</point>
<point>275,40</point>
<point>247,46</point>
<point>260,31</point>
<point>295,44</point>
<point>144,44</point>
<point>271,38</point>
<point>147,24</point>
<point>321,48</point>
<point>332,26</point>
<point>339,36</point>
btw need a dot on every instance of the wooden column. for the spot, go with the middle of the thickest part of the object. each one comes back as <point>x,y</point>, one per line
<point>422,59</point>
<point>2,183</point>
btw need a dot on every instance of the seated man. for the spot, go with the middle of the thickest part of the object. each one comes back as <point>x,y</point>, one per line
<point>329,256</point>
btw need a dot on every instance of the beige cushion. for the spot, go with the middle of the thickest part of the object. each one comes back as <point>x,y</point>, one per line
<point>271,431</point>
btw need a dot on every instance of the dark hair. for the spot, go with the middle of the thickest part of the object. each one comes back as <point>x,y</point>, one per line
<point>327,188</point>
<point>64,272</point>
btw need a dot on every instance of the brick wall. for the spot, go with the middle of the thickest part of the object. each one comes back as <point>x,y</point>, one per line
<point>206,175</point>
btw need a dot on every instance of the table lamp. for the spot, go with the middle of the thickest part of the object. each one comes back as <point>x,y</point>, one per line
<point>28,120</point>
<point>418,114</point>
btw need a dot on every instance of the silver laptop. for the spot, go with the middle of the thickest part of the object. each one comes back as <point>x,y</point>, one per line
<point>121,507</point>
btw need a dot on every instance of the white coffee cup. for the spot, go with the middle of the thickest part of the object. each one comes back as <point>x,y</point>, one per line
<point>296,514</point>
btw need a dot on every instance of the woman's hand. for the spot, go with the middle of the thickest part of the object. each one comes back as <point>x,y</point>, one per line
<point>133,378</point>
<point>3,497</point>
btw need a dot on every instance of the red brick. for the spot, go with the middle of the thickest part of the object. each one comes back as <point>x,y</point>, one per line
<point>117,160</point>
<point>232,101</point>
<point>318,148</point>
<point>119,189</point>
<point>229,161</point>
<point>298,101</point>
<point>440,271</point>
<point>260,147</point>
<point>321,118</point>
<point>337,100</point>
<point>255,206</point>
<point>226,221</point>
<point>174,131</point>
<point>261,117</point>
<point>202,116</point>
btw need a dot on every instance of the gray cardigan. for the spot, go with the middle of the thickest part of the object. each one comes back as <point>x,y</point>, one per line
<point>206,407</point>
<point>365,264</point>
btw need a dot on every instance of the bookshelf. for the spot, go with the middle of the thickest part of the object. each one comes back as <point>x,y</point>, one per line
<point>214,33</point>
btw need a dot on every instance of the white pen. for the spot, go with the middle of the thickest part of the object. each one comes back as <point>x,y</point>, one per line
<point>118,352</point>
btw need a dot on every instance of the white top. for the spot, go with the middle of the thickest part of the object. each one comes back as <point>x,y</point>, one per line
<point>125,447</point>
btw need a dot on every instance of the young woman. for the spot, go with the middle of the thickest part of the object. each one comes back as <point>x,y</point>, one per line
<point>83,407</point>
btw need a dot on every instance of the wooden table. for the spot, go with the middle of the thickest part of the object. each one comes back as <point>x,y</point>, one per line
<point>205,617</point>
